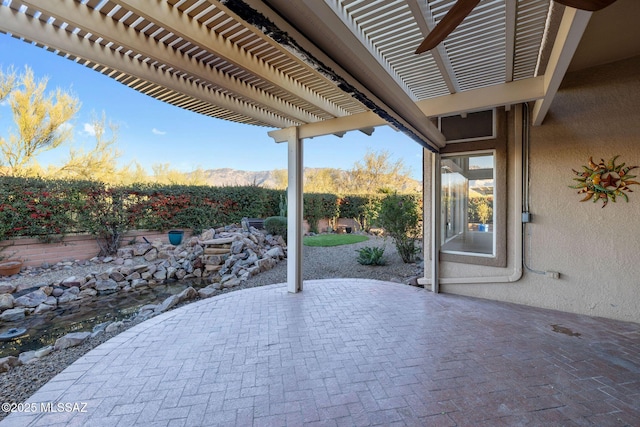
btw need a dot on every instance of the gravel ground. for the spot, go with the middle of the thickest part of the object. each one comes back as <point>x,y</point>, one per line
<point>20,383</point>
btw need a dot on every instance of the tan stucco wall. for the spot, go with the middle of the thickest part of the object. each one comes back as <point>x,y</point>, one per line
<point>596,250</point>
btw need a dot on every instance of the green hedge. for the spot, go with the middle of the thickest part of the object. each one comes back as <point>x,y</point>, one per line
<point>41,208</point>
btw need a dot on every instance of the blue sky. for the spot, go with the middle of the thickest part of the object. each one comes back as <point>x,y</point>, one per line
<point>152,132</point>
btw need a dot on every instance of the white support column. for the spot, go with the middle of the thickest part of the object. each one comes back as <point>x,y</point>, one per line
<point>294,211</point>
<point>435,222</point>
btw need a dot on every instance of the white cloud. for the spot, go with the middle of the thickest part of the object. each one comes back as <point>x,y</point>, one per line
<point>89,129</point>
<point>158,132</point>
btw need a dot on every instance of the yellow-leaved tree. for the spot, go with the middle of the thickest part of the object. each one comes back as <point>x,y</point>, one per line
<point>40,120</point>
<point>99,163</point>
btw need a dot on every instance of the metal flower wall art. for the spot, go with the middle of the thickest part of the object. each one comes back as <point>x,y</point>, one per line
<point>604,181</point>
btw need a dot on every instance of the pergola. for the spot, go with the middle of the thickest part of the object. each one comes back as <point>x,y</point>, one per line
<point>315,67</point>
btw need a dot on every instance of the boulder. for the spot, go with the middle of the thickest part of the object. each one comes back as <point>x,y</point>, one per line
<point>106,285</point>
<point>275,252</point>
<point>13,314</point>
<point>69,295</point>
<point>266,264</point>
<point>140,268</point>
<point>8,363</point>
<point>187,294</point>
<point>231,283</point>
<point>207,292</point>
<point>70,281</point>
<point>117,276</point>
<point>237,246</point>
<point>91,283</point>
<point>27,357</point>
<point>113,327</point>
<point>87,293</point>
<point>133,276</point>
<point>168,303</point>
<point>71,340</point>
<point>6,301</point>
<point>30,300</point>
<point>138,283</point>
<point>160,274</point>
<point>141,248</point>
<point>41,352</point>
<point>152,255</point>
<point>125,253</point>
<point>7,288</point>
<point>43,308</point>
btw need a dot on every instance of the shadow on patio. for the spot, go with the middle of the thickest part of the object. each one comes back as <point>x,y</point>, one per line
<point>353,352</point>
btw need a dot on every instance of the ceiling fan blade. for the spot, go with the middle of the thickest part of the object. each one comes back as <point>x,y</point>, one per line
<point>589,5</point>
<point>451,20</point>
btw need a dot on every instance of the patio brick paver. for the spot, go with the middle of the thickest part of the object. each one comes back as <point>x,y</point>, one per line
<point>353,353</point>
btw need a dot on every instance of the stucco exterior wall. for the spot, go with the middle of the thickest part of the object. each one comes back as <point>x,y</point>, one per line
<point>596,250</point>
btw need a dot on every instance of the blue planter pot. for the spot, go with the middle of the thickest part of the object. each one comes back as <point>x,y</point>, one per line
<point>175,237</point>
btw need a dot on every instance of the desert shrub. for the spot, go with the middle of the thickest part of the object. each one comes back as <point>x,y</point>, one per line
<point>370,255</point>
<point>400,217</point>
<point>107,215</point>
<point>276,225</point>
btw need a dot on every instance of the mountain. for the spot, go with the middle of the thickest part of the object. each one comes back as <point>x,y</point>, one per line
<point>233,177</point>
<point>270,179</point>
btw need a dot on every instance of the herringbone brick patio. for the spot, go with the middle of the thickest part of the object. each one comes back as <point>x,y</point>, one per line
<point>353,353</point>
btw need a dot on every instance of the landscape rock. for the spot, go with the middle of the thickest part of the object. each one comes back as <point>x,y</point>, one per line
<point>87,293</point>
<point>117,276</point>
<point>30,300</point>
<point>275,252</point>
<point>13,314</point>
<point>27,357</point>
<point>152,255</point>
<point>138,283</point>
<point>43,308</point>
<point>6,301</point>
<point>41,352</point>
<point>7,288</point>
<point>68,295</point>
<point>266,264</point>
<point>71,340</point>
<point>113,327</point>
<point>106,285</point>
<point>207,292</point>
<point>8,363</point>
<point>141,249</point>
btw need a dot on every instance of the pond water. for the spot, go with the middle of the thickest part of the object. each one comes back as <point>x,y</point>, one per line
<point>82,315</point>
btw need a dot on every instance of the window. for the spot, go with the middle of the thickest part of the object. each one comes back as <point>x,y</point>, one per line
<point>468,199</point>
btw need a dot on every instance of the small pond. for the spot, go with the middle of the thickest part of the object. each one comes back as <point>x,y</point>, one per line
<point>82,315</point>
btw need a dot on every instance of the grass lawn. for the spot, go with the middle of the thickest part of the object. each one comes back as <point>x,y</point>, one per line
<point>325,240</point>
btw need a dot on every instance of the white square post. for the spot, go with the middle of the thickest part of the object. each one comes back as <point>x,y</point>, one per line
<point>436,203</point>
<point>294,210</point>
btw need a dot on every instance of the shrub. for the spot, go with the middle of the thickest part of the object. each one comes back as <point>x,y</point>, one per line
<point>318,206</point>
<point>276,225</point>
<point>108,217</point>
<point>371,255</point>
<point>400,217</point>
